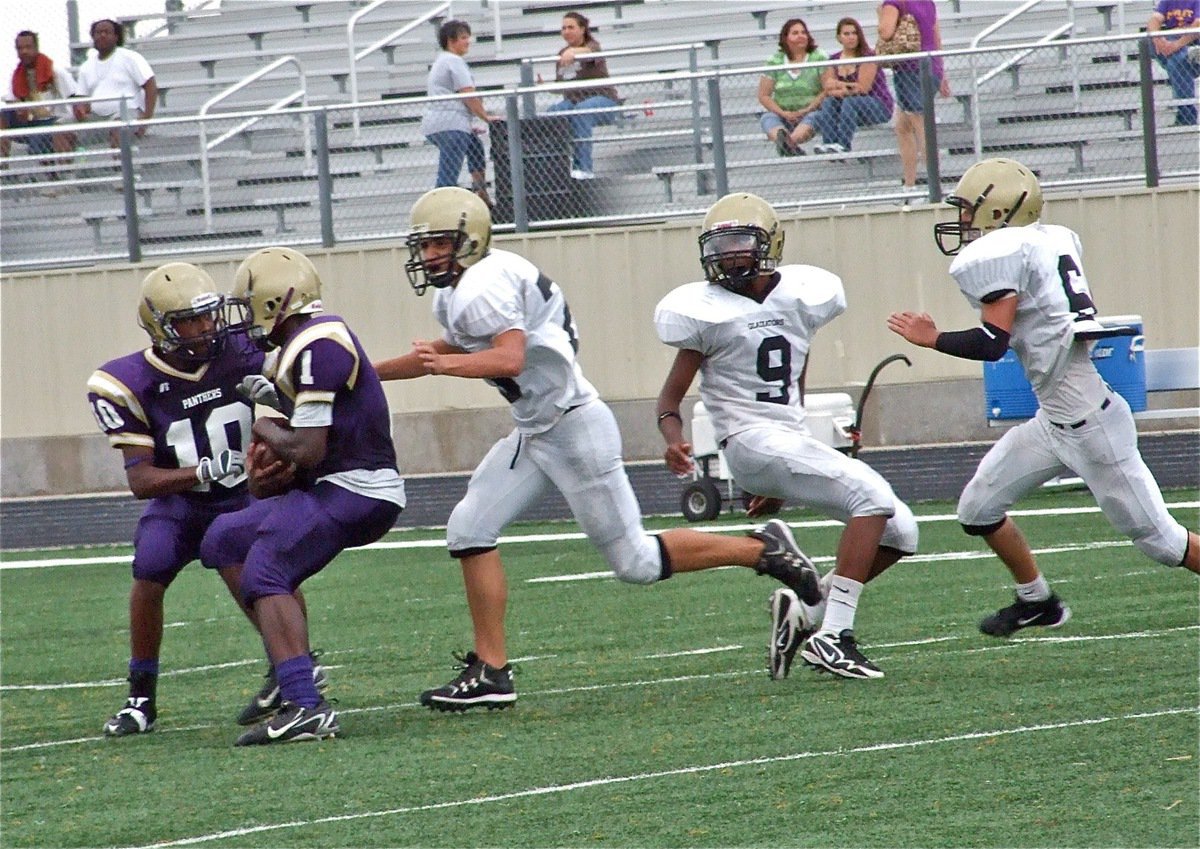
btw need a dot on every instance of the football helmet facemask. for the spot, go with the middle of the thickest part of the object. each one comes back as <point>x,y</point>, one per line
<point>271,286</point>
<point>183,313</point>
<point>993,193</point>
<point>742,239</point>
<point>453,214</point>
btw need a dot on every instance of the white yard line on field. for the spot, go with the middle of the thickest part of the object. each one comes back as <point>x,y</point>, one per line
<point>587,784</point>
<point>996,646</point>
<point>560,537</point>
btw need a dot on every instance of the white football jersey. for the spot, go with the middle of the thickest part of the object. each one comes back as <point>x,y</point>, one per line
<point>505,292</point>
<point>1042,264</point>
<point>753,353</point>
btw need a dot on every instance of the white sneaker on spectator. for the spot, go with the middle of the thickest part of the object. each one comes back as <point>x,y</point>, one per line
<point>580,174</point>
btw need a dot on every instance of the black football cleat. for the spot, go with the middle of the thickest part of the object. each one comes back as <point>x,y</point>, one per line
<point>788,631</point>
<point>838,654</point>
<point>477,685</point>
<point>1005,622</point>
<point>268,699</point>
<point>293,723</point>
<point>783,560</point>
<point>137,717</point>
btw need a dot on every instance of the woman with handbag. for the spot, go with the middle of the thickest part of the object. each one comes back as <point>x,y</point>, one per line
<point>897,20</point>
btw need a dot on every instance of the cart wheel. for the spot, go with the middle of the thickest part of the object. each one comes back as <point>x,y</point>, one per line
<point>701,501</point>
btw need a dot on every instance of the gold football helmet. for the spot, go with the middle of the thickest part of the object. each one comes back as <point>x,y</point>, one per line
<point>182,311</point>
<point>742,238</point>
<point>447,213</point>
<point>272,285</point>
<point>993,193</point>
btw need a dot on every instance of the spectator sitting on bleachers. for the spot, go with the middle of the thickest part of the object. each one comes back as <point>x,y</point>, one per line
<point>114,71</point>
<point>447,123</point>
<point>792,94</point>
<point>855,95</point>
<point>1175,54</point>
<point>573,64</point>
<point>35,79</point>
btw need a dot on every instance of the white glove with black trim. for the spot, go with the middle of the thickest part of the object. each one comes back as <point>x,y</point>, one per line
<point>258,390</point>
<point>226,464</point>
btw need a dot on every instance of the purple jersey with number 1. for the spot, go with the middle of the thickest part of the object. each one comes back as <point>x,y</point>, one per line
<point>325,362</point>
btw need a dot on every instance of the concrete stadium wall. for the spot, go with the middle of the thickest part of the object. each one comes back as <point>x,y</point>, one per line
<point>1140,252</point>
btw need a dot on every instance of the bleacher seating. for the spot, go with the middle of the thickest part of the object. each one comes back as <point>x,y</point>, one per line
<point>258,186</point>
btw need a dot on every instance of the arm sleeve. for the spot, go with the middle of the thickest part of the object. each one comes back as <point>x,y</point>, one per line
<point>988,342</point>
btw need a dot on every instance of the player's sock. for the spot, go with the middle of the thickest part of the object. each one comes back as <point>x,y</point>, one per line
<point>295,677</point>
<point>1035,590</point>
<point>841,604</point>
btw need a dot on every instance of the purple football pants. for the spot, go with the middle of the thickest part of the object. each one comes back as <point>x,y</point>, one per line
<point>282,541</point>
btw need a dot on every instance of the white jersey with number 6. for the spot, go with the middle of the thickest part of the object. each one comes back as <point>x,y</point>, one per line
<point>1041,263</point>
<point>753,352</point>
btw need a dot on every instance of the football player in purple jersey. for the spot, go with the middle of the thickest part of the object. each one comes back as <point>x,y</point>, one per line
<point>346,489</point>
<point>175,412</point>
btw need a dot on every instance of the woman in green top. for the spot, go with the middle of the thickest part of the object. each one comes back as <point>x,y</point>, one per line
<point>794,92</point>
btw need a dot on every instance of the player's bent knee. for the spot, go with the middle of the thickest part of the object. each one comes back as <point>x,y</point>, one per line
<point>260,580</point>
<point>466,537</point>
<point>984,530</point>
<point>901,533</point>
<point>1161,547</point>
<point>635,563</point>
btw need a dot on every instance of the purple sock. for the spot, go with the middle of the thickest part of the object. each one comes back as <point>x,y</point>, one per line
<point>295,676</point>
<point>150,667</point>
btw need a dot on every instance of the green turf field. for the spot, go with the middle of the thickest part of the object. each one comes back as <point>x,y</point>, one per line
<point>645,715</point>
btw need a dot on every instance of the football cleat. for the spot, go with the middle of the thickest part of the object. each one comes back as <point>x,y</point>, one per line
<point>789,630</point>
<point>477,685</point>
<point>783,560</point>
<point>1005,622</point>
<point>268,699</point>
<point>137,717</point>
<point>292,724</point>
<point>838,654</point>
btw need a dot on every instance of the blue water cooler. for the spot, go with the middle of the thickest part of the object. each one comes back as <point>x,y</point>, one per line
<point>1121,361</point>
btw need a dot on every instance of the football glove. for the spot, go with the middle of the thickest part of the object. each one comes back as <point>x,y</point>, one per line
<point>226,464</point>
<point>258,390</point>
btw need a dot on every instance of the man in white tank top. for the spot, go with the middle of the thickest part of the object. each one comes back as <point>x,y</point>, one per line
<point>1026,279</point>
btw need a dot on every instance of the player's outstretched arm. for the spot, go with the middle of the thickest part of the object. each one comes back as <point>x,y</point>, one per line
<point>410,365</point>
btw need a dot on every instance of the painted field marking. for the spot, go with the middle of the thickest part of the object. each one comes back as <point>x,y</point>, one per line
<point>561,537</point>
<point>1008,645</point>
<point>587,784</point>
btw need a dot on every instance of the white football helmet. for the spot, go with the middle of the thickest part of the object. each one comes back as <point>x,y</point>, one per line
<point>272,285</point>
<point>742,239</point>
<point>447,213</point>
<point>993,193</point>
<point>179,294</point>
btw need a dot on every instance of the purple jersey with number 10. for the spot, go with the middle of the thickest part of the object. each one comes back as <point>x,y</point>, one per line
<point>139,399</point>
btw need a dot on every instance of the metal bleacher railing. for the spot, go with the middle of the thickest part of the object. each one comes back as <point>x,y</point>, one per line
<point>1080,112</point>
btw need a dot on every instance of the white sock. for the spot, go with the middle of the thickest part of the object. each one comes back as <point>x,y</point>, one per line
<point>1035,590</point>
<point>841,605</point>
